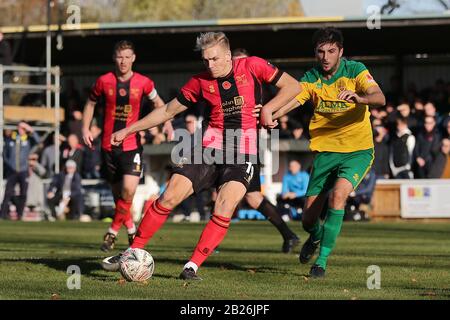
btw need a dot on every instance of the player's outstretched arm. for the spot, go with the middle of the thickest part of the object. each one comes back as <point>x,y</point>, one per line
<point>288,89</point>
<point>291,105</point>
<point>154,118</point>
<point>373,96</point>
<point>88,114</point>
<point>168,128</point>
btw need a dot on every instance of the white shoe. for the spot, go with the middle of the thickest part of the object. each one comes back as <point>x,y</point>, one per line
<point>194,216</point>
<point>112,263</point>
<point>85,218</point>
<point>178,218</point>
<point>285,218</point>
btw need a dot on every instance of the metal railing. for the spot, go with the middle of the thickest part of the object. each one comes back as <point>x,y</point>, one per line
<point>52,87</point>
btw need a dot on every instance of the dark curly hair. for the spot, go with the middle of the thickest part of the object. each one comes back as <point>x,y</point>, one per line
<point>328,35</point>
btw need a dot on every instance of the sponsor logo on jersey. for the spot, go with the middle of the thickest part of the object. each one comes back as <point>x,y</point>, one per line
<point>239,100</point>
<point>135,92</point>
<point>127,108</point>
<point>340,84</point>
<point>242,79</point>
<point>332,106</point>
<point>211,88</point>
<point>122,92</point>
<point>226,85</point>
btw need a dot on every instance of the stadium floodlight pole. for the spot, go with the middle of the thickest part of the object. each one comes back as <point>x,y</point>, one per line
<point>49,54</point>
<point>57,119</point>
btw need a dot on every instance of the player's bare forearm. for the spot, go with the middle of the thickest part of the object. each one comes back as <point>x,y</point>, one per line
<point>374,97</point>
<point>286,109</point>
<point>157,116</point>
<point>158,102</point>
<point>88,114</point>
<point>288,89</point>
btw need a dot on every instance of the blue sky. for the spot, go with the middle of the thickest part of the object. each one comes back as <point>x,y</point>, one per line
<point>358,7</point>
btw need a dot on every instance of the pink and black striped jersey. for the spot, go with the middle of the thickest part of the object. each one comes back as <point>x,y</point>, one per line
<point>122,105</point>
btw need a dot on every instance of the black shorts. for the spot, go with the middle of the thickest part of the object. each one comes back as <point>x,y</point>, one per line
<point>205,176</point>
<point>255,183</point>
<point>117,163</point>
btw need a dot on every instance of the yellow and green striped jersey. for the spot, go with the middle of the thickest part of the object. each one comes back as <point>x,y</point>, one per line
<point>337,125</point>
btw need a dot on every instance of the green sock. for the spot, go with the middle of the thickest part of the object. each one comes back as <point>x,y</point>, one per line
<point>315,231</point>
<point>331,229</point>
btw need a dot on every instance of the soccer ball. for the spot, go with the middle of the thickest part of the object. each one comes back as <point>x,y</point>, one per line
<point>136,265</point>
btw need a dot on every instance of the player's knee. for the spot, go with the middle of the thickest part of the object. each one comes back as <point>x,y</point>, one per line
<point>337,199</point>
<point>254,199</point>
<point>307,221</point>
<point>127,195</point>
<point>224,206</point>
<point>170,199</point>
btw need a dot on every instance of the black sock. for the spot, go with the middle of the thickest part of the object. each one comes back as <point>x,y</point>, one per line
<point>271,213</point>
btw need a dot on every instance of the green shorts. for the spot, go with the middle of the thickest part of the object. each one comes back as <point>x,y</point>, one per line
<point>329,166</point>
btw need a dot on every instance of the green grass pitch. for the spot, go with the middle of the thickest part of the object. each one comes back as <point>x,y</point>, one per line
<point>414,259</point>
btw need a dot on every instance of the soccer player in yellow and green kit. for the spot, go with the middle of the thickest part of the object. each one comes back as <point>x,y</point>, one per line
<point>341,136</point>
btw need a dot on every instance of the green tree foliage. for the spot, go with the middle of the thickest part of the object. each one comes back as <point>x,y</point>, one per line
<point>33,12</point>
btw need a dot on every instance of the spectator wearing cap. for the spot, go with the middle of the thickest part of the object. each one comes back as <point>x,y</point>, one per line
<point>65,192</point>
<point>17,147</point>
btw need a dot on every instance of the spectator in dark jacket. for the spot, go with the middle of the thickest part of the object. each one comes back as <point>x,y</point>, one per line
<point>92,158</point>
<point>440,166</point>
<point>73,151</point>
<point>17,147</point>
<point>381,161</point>
<point>428,143</point>
<point>401,151</point>
<point>65,192</point>
<point>30,185</point>
<point>446,128</point>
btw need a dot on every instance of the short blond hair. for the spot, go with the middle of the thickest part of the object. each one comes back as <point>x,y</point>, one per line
<point>210,39</point>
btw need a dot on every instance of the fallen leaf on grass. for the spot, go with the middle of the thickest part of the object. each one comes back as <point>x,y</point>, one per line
<point>186,284</point>
<point>429,294</point>
<point>143,283</point>
<point>55,296</point>
<point>121,281</point>
<point>346,291</point>
<point>252,271</point>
